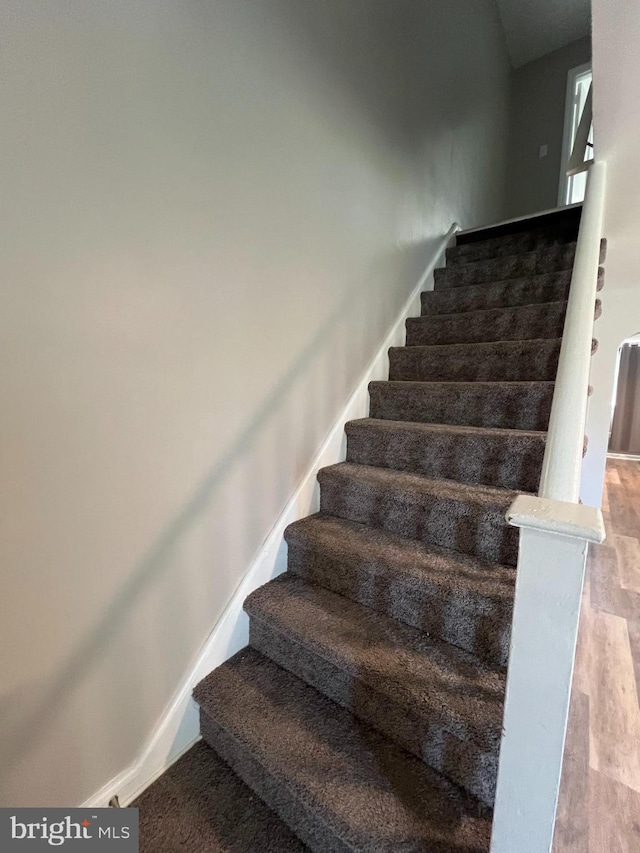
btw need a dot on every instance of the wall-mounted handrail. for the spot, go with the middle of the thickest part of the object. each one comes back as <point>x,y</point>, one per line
<point>562,464</point>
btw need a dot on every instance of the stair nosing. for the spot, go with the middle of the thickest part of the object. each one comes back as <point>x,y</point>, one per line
<point>425,426</point>
<point>491,382</point>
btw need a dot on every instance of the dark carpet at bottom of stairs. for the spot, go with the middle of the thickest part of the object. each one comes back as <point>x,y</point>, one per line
<point>200,806</point>
<point>341,786</point>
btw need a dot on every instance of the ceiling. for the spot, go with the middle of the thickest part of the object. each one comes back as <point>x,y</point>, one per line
<point>534,28</point>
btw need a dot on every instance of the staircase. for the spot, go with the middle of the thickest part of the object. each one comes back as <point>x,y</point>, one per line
<point>366,712</point>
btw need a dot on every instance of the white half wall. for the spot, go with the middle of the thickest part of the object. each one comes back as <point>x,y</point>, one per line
<point>212,214</point>
<point>616,67</point>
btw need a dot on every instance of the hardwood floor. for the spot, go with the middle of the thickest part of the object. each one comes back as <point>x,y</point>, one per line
<point>599,804</point>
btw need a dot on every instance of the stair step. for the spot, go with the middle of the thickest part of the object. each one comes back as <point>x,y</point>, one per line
<point>339,784</point>
<point>528,290</point>
<point>492,361</point>
<point>457,598</point>
<point>511,244</point>
<point>511,266</point>
<point>465,518</point>
<point>506,405</point>
<point>437,701</point>
<point>510,459</point>
<point>523,322</point>
<point>218,812</point>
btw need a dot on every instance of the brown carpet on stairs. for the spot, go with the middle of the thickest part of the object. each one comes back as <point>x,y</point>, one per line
<point>365,715</point>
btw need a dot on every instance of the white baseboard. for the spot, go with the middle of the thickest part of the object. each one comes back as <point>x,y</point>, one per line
<point>178,728</point>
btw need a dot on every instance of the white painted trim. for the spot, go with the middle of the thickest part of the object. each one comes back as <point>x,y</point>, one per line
<point>632,457</point>
<point>515,219</point>
<point>178,728</point>
<point>567,519</point>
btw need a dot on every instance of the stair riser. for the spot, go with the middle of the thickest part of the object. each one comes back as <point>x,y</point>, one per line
<point>462,761</point>
<point>519,362</point>
<point>501,324</point>
<point>514,266</point>
<point>511,463</point>
<point>512,244</point>
<point>469,528</point>
<point>309,827</point>
<point>478,624</point>
<point>503,294</point>
<point>504,407</point>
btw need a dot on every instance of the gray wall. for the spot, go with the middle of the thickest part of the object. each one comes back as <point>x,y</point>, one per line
<point>212,213</point>
<point>538,92</point>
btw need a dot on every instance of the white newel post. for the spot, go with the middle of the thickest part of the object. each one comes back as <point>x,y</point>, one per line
<point>554,538</point>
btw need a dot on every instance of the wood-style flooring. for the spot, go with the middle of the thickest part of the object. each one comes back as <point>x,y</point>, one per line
<point>599,804</point>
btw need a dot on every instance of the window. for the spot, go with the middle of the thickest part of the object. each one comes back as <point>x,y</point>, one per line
<point>579,80</point>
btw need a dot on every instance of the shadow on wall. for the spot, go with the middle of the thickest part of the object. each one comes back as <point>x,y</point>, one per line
<point>160,587</point>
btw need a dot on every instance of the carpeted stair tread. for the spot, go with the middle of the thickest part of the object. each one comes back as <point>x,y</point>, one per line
<point>463,517</point>
<point>422,675</point>
<point>487,361</point>
<point>201,806</point>
<point>506,405</point>
<point>418,691</point>
<point>510,244</point>
<point>457,598</point>
<point>510,459</point>
<point>522,322</point>
<point>338,783</point>
<point>549,260</point>
<point>528,290</point>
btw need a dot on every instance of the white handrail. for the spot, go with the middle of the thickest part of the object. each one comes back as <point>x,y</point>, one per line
<point>560,479</point>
